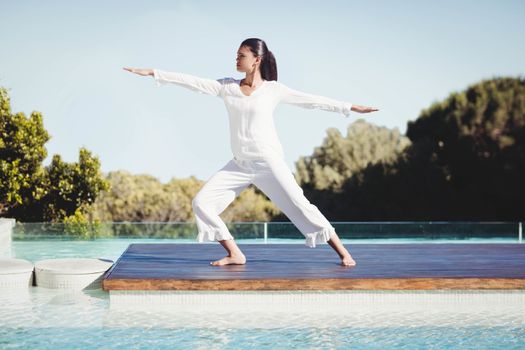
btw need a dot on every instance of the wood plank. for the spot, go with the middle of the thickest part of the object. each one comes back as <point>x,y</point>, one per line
<point>182,266</point>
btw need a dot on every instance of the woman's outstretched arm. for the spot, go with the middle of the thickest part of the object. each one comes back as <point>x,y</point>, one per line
<point>306,100</point>
<point>201,85</point>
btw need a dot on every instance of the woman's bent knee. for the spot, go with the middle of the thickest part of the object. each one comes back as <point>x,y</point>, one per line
<point>197,203</point>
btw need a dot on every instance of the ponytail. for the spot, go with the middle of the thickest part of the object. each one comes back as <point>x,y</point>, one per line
<point>268,65</point>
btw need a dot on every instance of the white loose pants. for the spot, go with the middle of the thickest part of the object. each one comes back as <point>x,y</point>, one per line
<point>273,177</point>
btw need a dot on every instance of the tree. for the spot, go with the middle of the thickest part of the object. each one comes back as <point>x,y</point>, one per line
<point>339,158</point>
<point>334,173</point>
<point>465,162</point>
<point>21,154</point>
<point>477,138</point>
<point>31,192</point>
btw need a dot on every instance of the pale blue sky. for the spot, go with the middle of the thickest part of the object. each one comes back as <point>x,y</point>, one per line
<point>65,59</point>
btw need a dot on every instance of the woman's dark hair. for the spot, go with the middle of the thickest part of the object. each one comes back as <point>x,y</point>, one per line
<point>268,66</point>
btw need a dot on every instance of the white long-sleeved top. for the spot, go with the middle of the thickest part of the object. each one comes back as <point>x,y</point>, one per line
<point>252,128</point>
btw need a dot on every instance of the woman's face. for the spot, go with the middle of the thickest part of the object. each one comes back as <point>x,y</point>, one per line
<point>246,61</point>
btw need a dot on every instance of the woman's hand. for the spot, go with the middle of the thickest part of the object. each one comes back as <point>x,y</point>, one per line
<point>363,109</point>
<point>140,71</point>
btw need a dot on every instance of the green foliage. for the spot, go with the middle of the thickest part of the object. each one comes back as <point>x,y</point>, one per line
<point>21,153</point>
<point>79,226</point>
<point>71,185</point>
<point>477,139</point>
<point>144,198</point>
<point>339,158</point>
<point>30,192</point>
<point>466,161</point>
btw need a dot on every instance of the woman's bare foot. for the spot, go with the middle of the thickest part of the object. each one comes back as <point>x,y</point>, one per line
<point>230,260</point>
<point>234,257</point>
<point>347,260</point>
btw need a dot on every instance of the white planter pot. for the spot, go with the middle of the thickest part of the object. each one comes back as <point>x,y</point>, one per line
<point>15,273</point>
<point>71,273</point>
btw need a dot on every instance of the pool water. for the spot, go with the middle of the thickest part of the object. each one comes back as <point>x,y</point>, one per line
<point>57,319</point>
<point>51,319</point>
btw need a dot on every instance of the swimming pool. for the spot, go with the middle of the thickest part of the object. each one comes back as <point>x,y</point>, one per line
<point>44,318</point>
<point>60,320</point>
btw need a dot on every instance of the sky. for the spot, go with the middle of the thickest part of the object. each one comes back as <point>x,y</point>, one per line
<point>65,59</point>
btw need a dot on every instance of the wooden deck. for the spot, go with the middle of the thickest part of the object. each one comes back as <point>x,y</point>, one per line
<point>297,267</point>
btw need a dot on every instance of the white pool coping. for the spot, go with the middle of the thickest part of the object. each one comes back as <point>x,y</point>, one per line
<point>316,301</point>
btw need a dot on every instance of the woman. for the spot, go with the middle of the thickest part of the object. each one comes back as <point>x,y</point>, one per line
<point>258,155</point>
